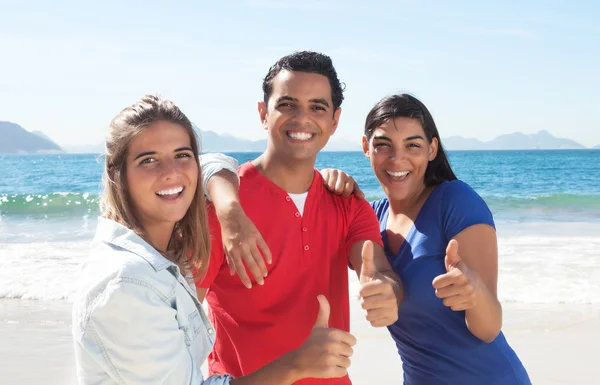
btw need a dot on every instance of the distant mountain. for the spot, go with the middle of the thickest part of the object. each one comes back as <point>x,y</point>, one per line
<point>14,139</point>
<point>211,141</point>
<point>596,147</point>
<point>460,143</point>
<point>543,140</point>
<point>214,142</point>
<point>42,135</point>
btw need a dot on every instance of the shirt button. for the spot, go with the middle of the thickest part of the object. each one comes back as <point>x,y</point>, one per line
<point>304,229</point>
<point>288,198</point>
<point>210,331</point>
<point>297,214</point>
<point>306,248</point>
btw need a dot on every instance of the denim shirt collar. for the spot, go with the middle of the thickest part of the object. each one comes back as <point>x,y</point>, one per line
<point>113,233</point>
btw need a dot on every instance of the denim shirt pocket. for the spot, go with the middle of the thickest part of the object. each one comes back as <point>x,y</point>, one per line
<point>190,326</point>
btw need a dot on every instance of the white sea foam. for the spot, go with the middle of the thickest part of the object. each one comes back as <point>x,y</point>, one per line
<point>539,263</point>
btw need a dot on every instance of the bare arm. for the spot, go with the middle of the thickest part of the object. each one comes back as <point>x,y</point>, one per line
<point>472,280</point>
<point>325,354</point>
<point>242,242</point>
<point>381,290</point>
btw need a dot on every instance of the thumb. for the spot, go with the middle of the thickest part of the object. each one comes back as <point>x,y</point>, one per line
<point>368,269</point>
<point>452,257</point>
<point>324,310</point>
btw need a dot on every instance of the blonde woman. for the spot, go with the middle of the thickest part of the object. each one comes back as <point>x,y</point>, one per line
<point>136,317</point>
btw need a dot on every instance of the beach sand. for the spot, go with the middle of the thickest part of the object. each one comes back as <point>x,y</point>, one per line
<point>557,344</point>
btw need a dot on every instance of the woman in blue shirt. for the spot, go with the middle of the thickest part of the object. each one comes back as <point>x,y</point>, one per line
<point>440,239</point>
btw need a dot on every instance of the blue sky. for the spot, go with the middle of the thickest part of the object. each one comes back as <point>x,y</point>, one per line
<point>483,68</point>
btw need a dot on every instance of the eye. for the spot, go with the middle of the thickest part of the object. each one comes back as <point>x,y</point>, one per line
<point>414,145</point>
<point>319,108</point>
<point>284,105</point>
<point>183,155</point>
<point>381,144</point>
<point>148,161</point>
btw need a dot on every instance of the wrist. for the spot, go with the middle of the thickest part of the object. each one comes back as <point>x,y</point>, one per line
<point>290,362</point>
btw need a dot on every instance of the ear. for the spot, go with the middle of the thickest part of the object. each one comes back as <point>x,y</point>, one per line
<point>336,120</point>
<point>365,146</point>
<point>433,149</point>
<point>263,113</point>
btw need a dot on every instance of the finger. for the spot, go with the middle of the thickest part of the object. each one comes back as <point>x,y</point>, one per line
<point>265,250</point>
<point>348,188</point>
<point>324,311</point>
<point>340,184</point>
<point>230,264</point>
<point>455,300</point>
<point>253,267</point>
<point>378,314</point>
<point>452,258</point>
<point>451,290</point>
<point>344,337</point>
<point>383,322</point>
<point>241,271</point>
<point>378,301</point>
<point>453,277</point>
<point>375,287</point>
<point>335,372</point>
<point>259,260</point>
<point>343,349</point>
<point>462,306</point>
<point>368,269</point>
<point>339,361</point>
<point>358,192</point>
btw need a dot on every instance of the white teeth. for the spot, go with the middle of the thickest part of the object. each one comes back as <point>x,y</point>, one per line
<point>172,191</point>
<point>398,174</point>
<point>300,135</point>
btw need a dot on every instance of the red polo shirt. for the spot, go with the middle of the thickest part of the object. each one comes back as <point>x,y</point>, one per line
<point>310,257</point>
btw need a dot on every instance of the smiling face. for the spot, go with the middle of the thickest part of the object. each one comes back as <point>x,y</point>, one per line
<point>162,174</point>
<point>299,115</point>
<point>400,153</point>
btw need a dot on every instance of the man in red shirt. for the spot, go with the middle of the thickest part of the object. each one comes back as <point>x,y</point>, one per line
<point>313,234</point>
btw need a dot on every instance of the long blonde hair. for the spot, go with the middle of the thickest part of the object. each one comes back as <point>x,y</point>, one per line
<point>189,246</point>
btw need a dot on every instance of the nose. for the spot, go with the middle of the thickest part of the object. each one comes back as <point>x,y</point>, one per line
<point>398,154</point>
<point>169,169</point>
<point>301,115</point>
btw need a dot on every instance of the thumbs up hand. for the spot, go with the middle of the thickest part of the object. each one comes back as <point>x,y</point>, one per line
<point>326,352</point>
<point>458,287</point>
<point>377,294</point>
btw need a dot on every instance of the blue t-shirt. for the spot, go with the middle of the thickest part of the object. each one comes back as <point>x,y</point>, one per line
<point>434,342</point>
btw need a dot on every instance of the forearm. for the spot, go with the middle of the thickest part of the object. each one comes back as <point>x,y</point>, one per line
<point>279,372</point>
<point>484,320</point>
<point>223,187</point>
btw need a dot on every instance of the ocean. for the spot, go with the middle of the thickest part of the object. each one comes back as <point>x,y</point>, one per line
<point>546,205</point>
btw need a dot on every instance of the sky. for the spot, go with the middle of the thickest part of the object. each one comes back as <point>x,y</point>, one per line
<point>482,68</point>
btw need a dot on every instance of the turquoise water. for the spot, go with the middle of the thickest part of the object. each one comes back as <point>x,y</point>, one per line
<point>517,185</point>
<point>546,205</point>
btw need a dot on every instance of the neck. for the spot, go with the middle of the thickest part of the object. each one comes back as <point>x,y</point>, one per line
<point>412,203</point>
<point>292,176</point>
<point>159,235</point>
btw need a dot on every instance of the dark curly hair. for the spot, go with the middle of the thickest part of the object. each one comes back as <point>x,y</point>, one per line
<point>306,61</point>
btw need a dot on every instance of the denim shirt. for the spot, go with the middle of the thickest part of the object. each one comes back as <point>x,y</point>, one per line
<point>136,320</point>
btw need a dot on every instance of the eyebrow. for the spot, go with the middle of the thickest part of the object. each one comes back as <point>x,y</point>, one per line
<point>382,137</point>
<point>291,99</point>
<point>154,152</point>
<point>414,137</point>
<point>320,101</point>
<point>288,98</point>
